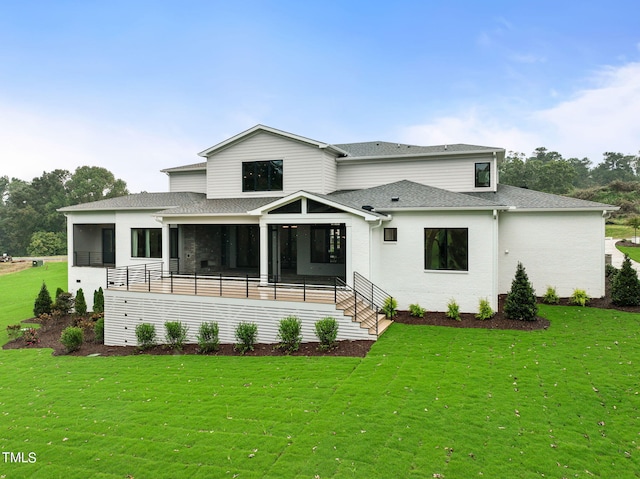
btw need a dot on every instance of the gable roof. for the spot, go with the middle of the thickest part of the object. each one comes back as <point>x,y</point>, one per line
<point>138,201</point>
<point>263,128</point>
<point>193,167</point>
<point>218,207</point>
<point>381,149</point>
<point>525,199</point>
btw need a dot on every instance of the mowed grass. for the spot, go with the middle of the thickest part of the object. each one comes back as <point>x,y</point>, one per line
<point>426,402</point>
<point>632,251</point>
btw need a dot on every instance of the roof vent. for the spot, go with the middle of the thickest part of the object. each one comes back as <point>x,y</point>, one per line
<point>368,208</point>
<point>395,198</point>
<point>445,147</point>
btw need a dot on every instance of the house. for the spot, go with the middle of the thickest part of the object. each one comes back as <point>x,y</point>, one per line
<point>272,224</point>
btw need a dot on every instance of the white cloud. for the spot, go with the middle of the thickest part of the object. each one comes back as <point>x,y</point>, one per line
<point>33,142</point>
<point>603,118</point>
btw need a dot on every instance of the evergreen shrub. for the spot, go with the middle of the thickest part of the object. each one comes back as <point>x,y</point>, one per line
<point>246,336</point>
<point>453,310</point>
<point>81,303</point>
<point>72,338</point>
<point>327,332</point>
<point>290,334</point>
<point>42,304</point>
<point>625,287</point>
<point>208,337</point>
<point>146,335</point>
<point>520,302</point>
<point>176,334</point>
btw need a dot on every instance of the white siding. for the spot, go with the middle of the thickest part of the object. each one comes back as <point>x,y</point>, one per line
<point>450,174</point>
<point>125,310</point>
<point>188,181</point>
<point>563,250</point>
<point>398,267</point>
<point>303,166</point>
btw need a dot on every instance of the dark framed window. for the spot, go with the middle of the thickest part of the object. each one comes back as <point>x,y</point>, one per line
<point>483,175</point>
<point>262,175</point>
<point>391,234</point>
<point>293,207</point>
<point>446,249</point>
<point>328,243</point>
<point>317,207</point>
<point>146,242</point>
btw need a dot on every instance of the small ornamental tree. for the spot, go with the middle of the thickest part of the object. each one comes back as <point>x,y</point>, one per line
<point>98,301</point>
<point>42,304</point>
<point>521,299</point>
<point>81,303</point>
<point>625,287</point>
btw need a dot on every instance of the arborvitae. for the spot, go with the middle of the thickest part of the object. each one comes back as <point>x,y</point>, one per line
<point>521,300</point>
<point>42,304</point>
<point>81,303</point>
<point>625,287</point>
<point>98,301</point>
<point>59,291</point>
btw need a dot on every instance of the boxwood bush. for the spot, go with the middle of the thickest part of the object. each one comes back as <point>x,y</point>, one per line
<point>72,338</point>
<point>327,332</point>
<point>246,336</point>
<point>208,337</point>
<point>290,334</point>
<point>146,335</point>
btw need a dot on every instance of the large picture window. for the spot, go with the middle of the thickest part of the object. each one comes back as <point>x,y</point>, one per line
<point>146,242</point>
<point>446,249</point>
<point>328,243</point>
<point>262,175</point>
<point>483,175</point>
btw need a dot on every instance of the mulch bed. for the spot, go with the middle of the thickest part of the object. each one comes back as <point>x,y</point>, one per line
<point>49,335</point>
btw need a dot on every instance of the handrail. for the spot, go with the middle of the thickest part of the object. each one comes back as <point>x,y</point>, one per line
<point>374,295</point>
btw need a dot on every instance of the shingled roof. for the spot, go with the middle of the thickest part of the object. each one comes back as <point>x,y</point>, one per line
<point>385,148</point>
<point>139,201</point>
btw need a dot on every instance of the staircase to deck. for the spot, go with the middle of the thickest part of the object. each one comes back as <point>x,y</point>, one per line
<point>363,303</point>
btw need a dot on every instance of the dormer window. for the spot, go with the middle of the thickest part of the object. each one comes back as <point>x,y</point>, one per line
<point>262,175</point>
<point>483,175</point>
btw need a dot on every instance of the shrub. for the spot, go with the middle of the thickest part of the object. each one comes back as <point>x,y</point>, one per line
<point>42,304</point>
<point>246,335</point>
<point>417,310</point>
<point>176,334</point>
<point>30,336</point>
<point>72,338</point>
<point>208,339</point>
<point>59,291</point>
<point>146,335</point>
<point>521,300</point>
<point>625,286</point>
<point>64,303</point>
<point>98,301</point>
<point>485,311</point>
<point>550,296</point>
<point>390,307</point>
<point>98,331</point>
<point>14,331</point>
<point>453,310</point>
<point>579,297</point>
<point>290,333</point>
<point>327,332</point>
<point>610,271</point>
<point>81,303</point>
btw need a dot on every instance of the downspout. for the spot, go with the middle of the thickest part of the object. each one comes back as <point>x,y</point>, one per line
<point>371,247</point>
<point>496,258</point>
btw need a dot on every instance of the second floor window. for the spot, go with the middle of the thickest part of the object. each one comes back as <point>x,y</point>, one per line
<point>262,175</point>
<point>483,175</point>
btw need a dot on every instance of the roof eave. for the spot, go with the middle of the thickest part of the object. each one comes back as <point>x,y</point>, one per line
<point>421,155</point>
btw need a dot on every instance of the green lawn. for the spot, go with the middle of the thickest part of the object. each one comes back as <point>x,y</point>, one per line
<point>632,251</point>
<point>426,402</point>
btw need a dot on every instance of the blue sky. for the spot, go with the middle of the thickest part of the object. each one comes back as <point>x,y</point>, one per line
<point>138,86</point>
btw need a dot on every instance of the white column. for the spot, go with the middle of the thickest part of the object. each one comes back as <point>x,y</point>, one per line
<point>264,254</point>
<point>166,248</point>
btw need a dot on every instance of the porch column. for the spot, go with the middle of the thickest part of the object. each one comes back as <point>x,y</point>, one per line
<point>166,248</point>
<point>264,254</point>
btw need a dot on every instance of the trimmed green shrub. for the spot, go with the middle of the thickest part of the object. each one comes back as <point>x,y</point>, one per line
<point>98,301</point>
<point>417,311</point>
<point>625,287</point>
<point>290,334</point>
<point>208,340</point>
<point>176,334</point>
<point>484,310</point>
<point>146,335</point>
<point>59,291</point>
<point>579,297</point>
<point>72,338</point>
<point>610,271</point>
<point>521,300</point>
<point>81,303</point>
<point>64,303</point>
<point>327,332</point>
<point>42,304</point>
<point>550,296</point>
<point>98,331</point>
<point>390,307</point>
<point>453,310</point>
<point>246,336</point>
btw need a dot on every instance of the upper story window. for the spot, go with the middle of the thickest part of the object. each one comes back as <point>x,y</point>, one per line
<point>391,234</point>
<point>483,175</point>
<point>146,242</point>
<point>262,175</point>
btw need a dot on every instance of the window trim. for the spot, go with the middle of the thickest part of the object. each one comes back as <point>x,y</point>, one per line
<point>394,235</point>
<point>147,245</point>
<point>251,174</point>
<point>478,170</point>
<point>447,232</point>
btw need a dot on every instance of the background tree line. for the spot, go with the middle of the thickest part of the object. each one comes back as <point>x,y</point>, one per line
<point>29,221</point>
